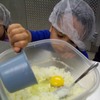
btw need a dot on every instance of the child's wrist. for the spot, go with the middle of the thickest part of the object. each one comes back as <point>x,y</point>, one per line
<point>29,36</point>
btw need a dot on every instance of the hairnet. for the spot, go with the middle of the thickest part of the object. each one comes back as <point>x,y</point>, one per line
<point>5,18</point>
<point>62,19</point>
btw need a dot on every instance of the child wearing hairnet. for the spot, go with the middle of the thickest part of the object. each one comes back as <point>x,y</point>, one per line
<point>5,20</point>
<point>72,21</point>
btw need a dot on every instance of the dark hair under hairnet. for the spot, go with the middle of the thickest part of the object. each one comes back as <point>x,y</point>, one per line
<point>85,15</point>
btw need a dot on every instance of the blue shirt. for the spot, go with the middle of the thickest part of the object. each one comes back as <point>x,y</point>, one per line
<point>45,34</point>
<point>40,35</point>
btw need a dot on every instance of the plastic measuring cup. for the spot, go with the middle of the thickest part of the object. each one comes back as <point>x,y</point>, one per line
<point>16,73</point>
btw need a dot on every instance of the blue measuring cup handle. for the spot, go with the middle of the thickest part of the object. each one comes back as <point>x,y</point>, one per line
<point>16,73</point>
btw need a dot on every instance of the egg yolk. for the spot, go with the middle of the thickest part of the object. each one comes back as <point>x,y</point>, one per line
<point>57,81</point>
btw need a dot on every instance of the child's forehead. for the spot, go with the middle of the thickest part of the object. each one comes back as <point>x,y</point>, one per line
<point>70,25</point>
<point>68,21</point>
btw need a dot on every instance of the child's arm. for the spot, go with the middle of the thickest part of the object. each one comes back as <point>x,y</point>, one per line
<point>19,37</point>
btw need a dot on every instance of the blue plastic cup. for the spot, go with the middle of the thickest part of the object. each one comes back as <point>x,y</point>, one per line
<point>16,73</point>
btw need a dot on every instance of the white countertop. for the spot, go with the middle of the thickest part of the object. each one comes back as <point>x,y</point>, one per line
<point>96,94</point>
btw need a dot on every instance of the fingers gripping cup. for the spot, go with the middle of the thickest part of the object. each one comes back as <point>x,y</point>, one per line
<point>16,73</point>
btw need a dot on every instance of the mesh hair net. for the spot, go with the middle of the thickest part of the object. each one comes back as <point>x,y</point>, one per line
<point>5,18</point>
<point>62,19</point>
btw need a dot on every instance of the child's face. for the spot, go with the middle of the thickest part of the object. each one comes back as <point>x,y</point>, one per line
<point>55,34</point>
<point>1,30</point>
<point>61,49</point>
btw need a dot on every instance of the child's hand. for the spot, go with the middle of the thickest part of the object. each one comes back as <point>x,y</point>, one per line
<point>18,36</point>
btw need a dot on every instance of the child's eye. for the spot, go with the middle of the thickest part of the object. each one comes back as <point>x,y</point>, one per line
<point>71,42</point>
<point>61,35</point>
